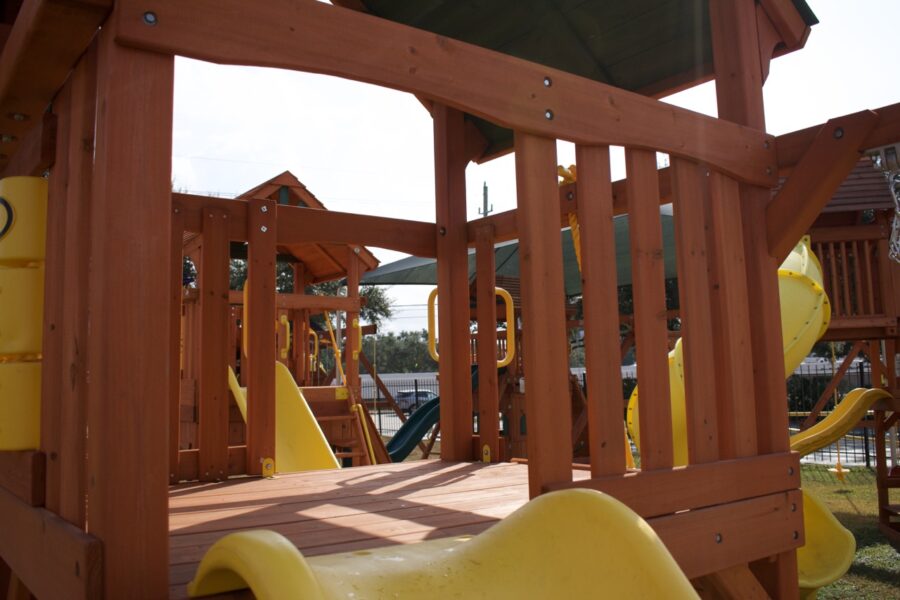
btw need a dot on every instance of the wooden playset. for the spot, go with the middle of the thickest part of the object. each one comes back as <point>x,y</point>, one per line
<point>87,509</point>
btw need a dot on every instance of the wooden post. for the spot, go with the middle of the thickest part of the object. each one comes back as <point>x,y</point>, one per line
<point>739,76</point>
<point>546,350</point>
<point>213,397</point>
<point>261,321</point>
<point>453,282</point>
<point>650,328</point>
<point>354,338</point>
<point>601,310</point>
<point>486,308</point>
<point>176,339</point>
<point>128,347</point>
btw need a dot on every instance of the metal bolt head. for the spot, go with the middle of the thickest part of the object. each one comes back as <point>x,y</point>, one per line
<point>790,470</point>
<point>264,209</point>
<point>150,18</point>
<point>570,196</point>
<point>766,144</point>
<point>838,133</point>
<point>264,229</point>
<point>768,170</point>
<point>547,82</point>
<point>718,538</point>
<point>18,117</point>
<point>442,231</point>
<point>356,250</point>
<point>793,507</point>
<point>7,138</point>
<point>796,535</point>
<point>548,114</point>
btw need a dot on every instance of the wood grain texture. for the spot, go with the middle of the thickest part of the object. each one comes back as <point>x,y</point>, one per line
<point>261,233</point>
<point>311,36</point>
<point>601,310</point>
<point>177,338</point>
<point>545,350</point>
<point>486,312</point>
<point>453,283</point>
<point>128,346</point>
<point>22,474</point>
<point>650,327</point>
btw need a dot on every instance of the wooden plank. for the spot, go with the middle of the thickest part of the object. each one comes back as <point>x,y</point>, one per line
<point>453,282</point>
<point>76,267</point>
<point>177,339</point>
<point>808,189</point>
<point>787,21</point>
<point>733,351</point>
<point>297,224</point>
<point>305,302</point>
<point>36,151</point>
<point>335,41</point>
<point>47,39</point>
<point>486,310</point>
<point>691,226</point>
<point>546,349</point>
<point>601,310</point>
<point>827,393</point>
<point>658,492</point>
<point>214,317</point>
<point>651,336</point>
<point>712,539</point>
<point>353,334</point>
<point>52,557</point>
<point>734,582</point>
<point>22,474</point>
<point>261,232</point>
<point>128,345</point>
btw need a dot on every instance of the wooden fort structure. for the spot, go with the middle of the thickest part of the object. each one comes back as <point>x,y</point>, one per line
<point>86,92</point>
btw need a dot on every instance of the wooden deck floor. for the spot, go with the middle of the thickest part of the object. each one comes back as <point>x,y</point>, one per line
<point>324,512</point>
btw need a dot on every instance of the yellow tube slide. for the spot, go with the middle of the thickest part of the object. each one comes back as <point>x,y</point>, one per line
<point>300,444</point>
<point>540,551</point>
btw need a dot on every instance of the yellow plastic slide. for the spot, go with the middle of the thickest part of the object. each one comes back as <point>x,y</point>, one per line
<point>540,551</point>
<point>300,444</point>
<point>842,419</point>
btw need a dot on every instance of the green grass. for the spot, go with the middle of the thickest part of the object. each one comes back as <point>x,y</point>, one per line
<point>875,572</point>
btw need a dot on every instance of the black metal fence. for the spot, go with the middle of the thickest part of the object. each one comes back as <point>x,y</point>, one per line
<point>410,391</point>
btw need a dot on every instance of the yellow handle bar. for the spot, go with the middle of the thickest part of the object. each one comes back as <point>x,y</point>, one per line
<point>510,327</point>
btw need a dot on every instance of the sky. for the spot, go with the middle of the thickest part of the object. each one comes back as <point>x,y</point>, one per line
<point>369,150</point>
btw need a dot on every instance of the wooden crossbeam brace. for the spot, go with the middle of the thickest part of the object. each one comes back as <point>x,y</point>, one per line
<point>824,166</point>
<point>835,380</point>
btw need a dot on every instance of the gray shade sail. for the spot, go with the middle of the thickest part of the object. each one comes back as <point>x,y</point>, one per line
<point>423,271</point>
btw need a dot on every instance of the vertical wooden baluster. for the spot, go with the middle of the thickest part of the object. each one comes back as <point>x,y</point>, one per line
<point>213,397</point>
<point>836,283</point>
<point>450,160</point>
<point>867,262</point>
<point>691,230</point>
<point>857,278</point>
<point>128,346</point>
<point>261,353</point>
<point>354,338</point>
<point>601,310</point>
<point>486,307</point>
<point>736,398</point>
<point>545,347</point>
<point>887,292</point>
<point>845,279</point>
<point>176,339</point>
<point>650,327</point>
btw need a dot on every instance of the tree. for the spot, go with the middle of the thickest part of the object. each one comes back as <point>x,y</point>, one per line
<point>406,352</point>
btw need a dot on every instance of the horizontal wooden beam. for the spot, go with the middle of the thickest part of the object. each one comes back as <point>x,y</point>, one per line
<point>22,473</point>
<point>849,233</point>
<point>711,539</point>
<point>824,166</point>
<point>46,41</point>
<point>191,207</point>
<point>514,93</point>
<point>665,491</point>
<point>189,462</point>
<point>52,557</point>
<point>301,225</point>
<point>305,302</point>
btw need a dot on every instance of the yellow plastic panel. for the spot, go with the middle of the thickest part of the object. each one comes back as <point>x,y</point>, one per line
<point>568,544</point>
<point>846,415</point>
<point>20,405</point>
<point>239,393</point>
<point>23,220</point>
<point>21,311</point>
<point>829,548</point>
<point>300,444</point>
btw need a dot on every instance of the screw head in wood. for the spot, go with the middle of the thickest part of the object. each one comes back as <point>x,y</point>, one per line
<point>548,114</point>
<point>7,138</point>
<point>718,538</point>
<point>264,209</point>
<point>838,133</point>
<point>150,18</point>
<point>18,117</point>
<point>547,82</point>
<point>264,229</point>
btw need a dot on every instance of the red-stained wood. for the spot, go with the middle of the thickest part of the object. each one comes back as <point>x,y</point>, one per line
<point>543,315</point>
<point>827,393</point>
<point>650,329</point>
<point>691,232</point>
<point>128,346</point>
<point>310,302</point>
<point>453,283</point>
<point>74,326</point>
<point>176,339</point>
<point>732,343</point>
<point>261,234</point>
<point>214,313</point>
<point>336,41</point>
<point>49,555</point>
<point>36,150</point>
<point>22,474</point>
<point>601,307</point>
<point>486,310</point>
<point>353,332</point>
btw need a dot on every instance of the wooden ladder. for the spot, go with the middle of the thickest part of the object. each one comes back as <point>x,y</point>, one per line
<point>340,422</point>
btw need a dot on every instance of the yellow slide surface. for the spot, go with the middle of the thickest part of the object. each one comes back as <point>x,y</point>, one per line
<point>845,416</point>
<point>300,444</point>
<point>540,551</point>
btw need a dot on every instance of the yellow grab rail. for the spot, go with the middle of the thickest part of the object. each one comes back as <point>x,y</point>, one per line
<point>314,355</point>
<point>510,327</point>
<point>337,349</point>
<point>287,336</point>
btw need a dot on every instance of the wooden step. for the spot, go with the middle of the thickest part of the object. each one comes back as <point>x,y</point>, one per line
<point>892,482</point>
<point>332,418</point>
<point>349,454</point>
<point>345,443</point>
<point>892,509</point>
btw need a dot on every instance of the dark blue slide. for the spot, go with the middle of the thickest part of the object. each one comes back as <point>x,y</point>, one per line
<point>414,429</point>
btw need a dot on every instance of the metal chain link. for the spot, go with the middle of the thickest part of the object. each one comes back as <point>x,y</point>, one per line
<point>893,178</point>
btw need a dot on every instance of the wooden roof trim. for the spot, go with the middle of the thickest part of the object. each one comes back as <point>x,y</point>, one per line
<point>787,21</point>
<point>327,39</point>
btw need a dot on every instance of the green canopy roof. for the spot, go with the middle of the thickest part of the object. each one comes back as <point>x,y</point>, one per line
<point>423,271</point>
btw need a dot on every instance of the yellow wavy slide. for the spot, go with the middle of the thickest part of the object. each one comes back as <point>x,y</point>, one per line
<point>300,444</point>
<point>539,551</point>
